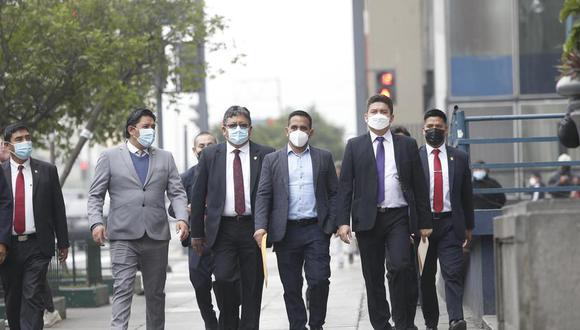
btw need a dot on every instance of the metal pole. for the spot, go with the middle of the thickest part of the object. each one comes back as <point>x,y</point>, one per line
<point>159,110</point>
<point>203,121</point>
<point>360,68</point>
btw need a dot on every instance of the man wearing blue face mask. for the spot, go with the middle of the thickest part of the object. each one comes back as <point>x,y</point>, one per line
<point>224,193</point>
<point>137,177</point>
<point>39,216</point>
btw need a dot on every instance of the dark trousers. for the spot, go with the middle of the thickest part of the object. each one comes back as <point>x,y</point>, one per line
<point>200,277</point>
<point>237,256</point>
<point>47,297</point>
<point>387,243</point>
<point>304,246</point>
<point>413,286</point>
<point>445,245</point>
<point>23,279</point>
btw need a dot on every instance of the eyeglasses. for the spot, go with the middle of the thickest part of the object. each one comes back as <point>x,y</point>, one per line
<point>233,125</point>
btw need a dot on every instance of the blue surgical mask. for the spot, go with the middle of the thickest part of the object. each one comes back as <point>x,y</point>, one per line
<point>23,150</point>
<point>238,136</point>
<point>146,137</point>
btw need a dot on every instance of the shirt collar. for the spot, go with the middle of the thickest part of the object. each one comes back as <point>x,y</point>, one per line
<point>388,136</point>
<point>442,149</point>
<point>289,150</point>
<point>243,149</point>
<point>15,165</point>
<point>135,150</point>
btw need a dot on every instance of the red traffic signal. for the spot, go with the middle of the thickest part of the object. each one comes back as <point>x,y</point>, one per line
<point>386,84</point>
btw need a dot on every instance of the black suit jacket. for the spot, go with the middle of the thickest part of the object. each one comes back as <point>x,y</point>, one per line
<point>358,184</point>
<point>208,193</point>
<point>5,212</point>
<point>273,196</point>
<point>460,186</point>
<point>48,205</point>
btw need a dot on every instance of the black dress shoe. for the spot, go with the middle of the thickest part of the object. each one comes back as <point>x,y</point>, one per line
<point>458,325</point>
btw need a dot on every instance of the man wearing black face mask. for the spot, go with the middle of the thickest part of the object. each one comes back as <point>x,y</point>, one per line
<point>449,180</point>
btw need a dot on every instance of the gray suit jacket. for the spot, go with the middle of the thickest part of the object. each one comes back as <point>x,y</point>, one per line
<point>136,209</point>
<point>272,199</point>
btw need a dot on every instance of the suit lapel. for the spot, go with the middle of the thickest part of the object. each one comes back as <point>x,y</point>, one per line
<point>128,162</point>
<point>368,152</point>
<point>35,176</point>
<point>397,149</point>
<point>255,159</point>
<point>152,161</point>
<point>315,157</point>
<point>8,175</point>
<point>220,159</point>
<point>283,161</point>
<point>451,166</point>
<point>425,165</point>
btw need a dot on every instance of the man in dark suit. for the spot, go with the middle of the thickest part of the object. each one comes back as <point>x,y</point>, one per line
<point>39,215</point>
<point>296,205</point>
<point>224,192</point>
<point>382,183</point>
<point>449,180</point>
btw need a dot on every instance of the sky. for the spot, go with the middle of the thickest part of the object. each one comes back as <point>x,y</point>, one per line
<point>296,54</point>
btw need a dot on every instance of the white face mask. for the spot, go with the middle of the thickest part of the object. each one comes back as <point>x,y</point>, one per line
<point>378,121</point>
<point>533,181</point>
<point>298,138</point>
<point>478,175</point>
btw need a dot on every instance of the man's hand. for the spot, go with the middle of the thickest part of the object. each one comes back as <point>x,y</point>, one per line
<point>62,254</point>
<point>344,233</point>
<point>198,245</point>
<point>99,235</point>
<point>3,253</point>
<point>183,229</point>
<point>189,209</point>
<point>468,237</point>
<point>425,233</point>
<point>258,236</point>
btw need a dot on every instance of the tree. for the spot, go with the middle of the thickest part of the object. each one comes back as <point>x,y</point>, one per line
<point>271,132</point>
<point>65,65</point>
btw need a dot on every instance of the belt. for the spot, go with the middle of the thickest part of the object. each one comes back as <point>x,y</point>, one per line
<point>441,215</point>
<point>386,209</point>
<point>238,218</point>
<point>303,222</point>
<point>23,237</point>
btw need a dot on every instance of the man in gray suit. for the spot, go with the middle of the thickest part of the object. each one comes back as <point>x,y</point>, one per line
<point>296,206</point>
<point>137,177</point>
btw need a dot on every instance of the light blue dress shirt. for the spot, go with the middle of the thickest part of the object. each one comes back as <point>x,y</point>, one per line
<point>302,203</point>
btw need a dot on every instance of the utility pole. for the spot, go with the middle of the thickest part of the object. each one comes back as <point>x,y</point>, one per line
<point>203,121</point>
<point>360,66</point>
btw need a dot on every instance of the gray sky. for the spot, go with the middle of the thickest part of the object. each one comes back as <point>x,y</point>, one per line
<point>298,53</point>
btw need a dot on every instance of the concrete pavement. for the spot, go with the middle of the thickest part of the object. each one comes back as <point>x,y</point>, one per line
<point>346,306</point>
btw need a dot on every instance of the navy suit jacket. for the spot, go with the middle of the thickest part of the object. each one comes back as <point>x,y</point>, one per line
<point>5,211</point>
<point>48,205</point>
<point>460,186</point>
<point>358,184</point>
<point>273,196</point>
<point>208,193</point>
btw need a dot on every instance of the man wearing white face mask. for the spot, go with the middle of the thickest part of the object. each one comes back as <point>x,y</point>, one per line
<point>296,205</point>
<point>137,177</point>
<point>382,185</point>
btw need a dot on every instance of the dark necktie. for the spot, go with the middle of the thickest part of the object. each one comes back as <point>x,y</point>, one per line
<point>240,200</point>
<point>19,209</point>
<point>438,182</point>
<point>380,159</point>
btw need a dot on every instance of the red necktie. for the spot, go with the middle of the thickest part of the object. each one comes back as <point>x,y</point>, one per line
<point>240,200</point>
<point>438,178</point>
<point>19,213</point>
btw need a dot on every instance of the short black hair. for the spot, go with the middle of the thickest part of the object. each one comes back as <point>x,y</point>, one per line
<point>13,128</point>
<point>300,113</point>
<point>236,110</point>
<point>435,113</point>
<point>135,116</point>
<point>398,129</point>
<point>202,133</point>
<point>381,98</point>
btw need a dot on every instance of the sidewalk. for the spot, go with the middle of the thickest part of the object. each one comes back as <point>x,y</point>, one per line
<point>347,308</point>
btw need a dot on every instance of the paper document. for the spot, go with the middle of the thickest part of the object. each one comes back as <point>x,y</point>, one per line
<point>422,253</point>
<point>264,256</point>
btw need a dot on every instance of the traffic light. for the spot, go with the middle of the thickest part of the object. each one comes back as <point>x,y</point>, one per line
<point>386,84</point>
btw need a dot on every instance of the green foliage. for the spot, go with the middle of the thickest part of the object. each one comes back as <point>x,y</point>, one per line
<point>272,132</point>
<point>59,60</point>
<point>571,48</point>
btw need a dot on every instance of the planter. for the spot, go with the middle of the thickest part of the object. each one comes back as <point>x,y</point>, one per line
<point>85,296</point>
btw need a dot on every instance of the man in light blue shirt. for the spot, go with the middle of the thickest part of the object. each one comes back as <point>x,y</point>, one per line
<point>295,205</point>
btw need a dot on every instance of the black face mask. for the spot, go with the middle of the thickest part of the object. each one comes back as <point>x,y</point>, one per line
<point>435,137</point>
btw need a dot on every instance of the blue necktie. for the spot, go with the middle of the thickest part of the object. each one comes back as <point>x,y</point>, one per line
<point>380,159</point>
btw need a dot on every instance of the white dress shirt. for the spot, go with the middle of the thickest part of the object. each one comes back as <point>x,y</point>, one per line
<point>445,170</point>
<point>30,227</point>
<point>134,150</point>
<point>230,203</point>
<point>393,194</point>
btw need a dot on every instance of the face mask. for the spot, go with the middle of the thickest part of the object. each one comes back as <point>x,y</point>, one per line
<point>378,122</point>
<point>478,175</point>
<point>238,136</point>
<point>298,138</point>
<point>533,182</point>
<point>146,137</point>
<point>23,150</point>
<point>435,137</point>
